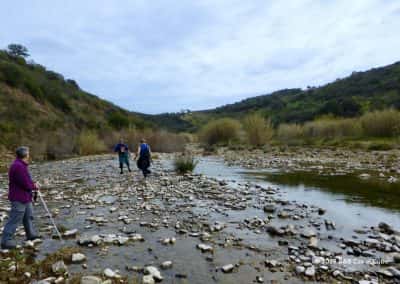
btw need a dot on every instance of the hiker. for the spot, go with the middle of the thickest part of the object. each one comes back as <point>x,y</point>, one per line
<point>21,191</point>
<point>144,154</point>
<point>123,155</point>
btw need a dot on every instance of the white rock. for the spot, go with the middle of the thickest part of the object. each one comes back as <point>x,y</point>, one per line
<point>166,264</point>
<point>300,269</point>
<point>78,257</point>
<point>205,248</point>
<point>109,273</point>
<point>148,279</point>
<point>227,268</point>
<point>310,271</point>
<point>154,272</point>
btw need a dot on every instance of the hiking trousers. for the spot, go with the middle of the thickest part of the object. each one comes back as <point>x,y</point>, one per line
<point>19,213</point>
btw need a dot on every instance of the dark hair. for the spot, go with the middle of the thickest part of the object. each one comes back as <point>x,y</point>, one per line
<point>22,152</point>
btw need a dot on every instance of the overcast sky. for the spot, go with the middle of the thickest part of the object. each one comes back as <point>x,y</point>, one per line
<point>159,56</point>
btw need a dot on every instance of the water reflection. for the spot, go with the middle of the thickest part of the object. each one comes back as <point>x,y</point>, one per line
<point>372,191</point>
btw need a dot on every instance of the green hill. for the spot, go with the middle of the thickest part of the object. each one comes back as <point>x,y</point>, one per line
<point>378,88</point>
<point>41,107</point>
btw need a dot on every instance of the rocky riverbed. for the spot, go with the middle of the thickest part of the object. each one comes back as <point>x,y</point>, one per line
<point>188,229</point>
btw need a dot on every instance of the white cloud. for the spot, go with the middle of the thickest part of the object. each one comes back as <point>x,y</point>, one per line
<point>169,55</point>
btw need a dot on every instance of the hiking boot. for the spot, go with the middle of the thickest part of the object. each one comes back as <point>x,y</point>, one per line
<point>129,170</point>
<point>10,244</point>
<point>121,172</point>
<point>34,237</point>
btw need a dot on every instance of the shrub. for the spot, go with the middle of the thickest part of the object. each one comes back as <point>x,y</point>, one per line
<point>258,130</point>
<point>89,143</point>
<point>12,74</point>
<point>184,163</point>
<point>383,123</point>
<point>288,133</point>
<point>118,120</point>
<point>223,131</point>
<point>328,128</point>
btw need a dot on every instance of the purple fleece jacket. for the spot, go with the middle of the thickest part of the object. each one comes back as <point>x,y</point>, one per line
<point>20,182</point>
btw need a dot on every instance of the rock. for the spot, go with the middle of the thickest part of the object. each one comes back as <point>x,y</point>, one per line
<point>308,233</point>
<point>148,279</point>
<point>365,176</point>
<point>59,267</point>
<point>259,279</point>
<point>154,272</point>
<point>394,271</point>
<point>166,264</point>
<point>386,228</point>
<point>313,242</point>
<point>70,233</point>
<point>310,271</point>
<point>300,269</point>
<point>269,208</point>
<point>396,257</point>
<point>337,273</point>
<point>321,211</point>
<point>227,268</point>
<point>273,231</point>
<point>109,273</point>
<point>59,280</point>
<point>78,257</point>
<point>205,247</point>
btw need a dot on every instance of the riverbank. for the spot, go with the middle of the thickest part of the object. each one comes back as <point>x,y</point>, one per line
<point>189,229</point>
<point>384,164</point>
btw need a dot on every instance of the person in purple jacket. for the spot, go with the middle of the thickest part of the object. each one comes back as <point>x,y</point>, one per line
<point>21,191</point>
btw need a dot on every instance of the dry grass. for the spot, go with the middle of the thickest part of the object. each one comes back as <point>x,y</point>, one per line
<point>89,143</point>
<point>221,131</point>
<point>258,130</point>
<point>385,123</point>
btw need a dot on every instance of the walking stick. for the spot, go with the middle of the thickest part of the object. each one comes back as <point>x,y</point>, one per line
<point>49,214</point>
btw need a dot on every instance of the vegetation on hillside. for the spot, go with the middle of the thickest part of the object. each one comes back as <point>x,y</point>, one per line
<point>53,115</point>
<point>361,92</point>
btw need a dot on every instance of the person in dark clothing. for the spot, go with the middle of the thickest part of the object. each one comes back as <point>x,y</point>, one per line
<point>123,155</point>
<point>144,160</point>
<point>21,192</point>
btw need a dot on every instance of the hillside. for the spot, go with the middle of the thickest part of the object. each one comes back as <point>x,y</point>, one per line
<point>41,108</point>
<point>377,88</point>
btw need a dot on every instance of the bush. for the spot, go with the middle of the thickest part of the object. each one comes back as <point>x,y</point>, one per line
<point>184,163</point>
<point>328,128</point>
<point>12,74</point>
<point>89,143</point>
<point>258,130</point>
<point>289,133</point>
<point>222,131</point>
<point>383,123</point>
<point>118,120</point>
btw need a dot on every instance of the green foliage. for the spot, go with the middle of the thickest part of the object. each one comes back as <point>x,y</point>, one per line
<point>17,50</point>
<point>118,120</point>
<point>184,163</point>
<point>11,74</point>
<point>258,130</point>
<point>221,131</point>
<point>361,92</point>
<point>384,123</point>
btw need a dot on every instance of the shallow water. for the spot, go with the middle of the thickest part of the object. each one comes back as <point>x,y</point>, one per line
<point>352,202</point>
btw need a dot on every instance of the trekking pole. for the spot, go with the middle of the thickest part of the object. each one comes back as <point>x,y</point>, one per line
<point>49,214</point>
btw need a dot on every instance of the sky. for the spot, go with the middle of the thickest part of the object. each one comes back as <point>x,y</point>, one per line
<point>171,55</point>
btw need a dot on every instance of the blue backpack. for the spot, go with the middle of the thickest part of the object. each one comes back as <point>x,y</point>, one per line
<point>144,150</point>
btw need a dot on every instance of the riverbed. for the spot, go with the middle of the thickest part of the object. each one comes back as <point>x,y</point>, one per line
<point>223,224</point>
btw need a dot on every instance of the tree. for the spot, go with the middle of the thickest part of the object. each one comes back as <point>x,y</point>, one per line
<point>17,50</point>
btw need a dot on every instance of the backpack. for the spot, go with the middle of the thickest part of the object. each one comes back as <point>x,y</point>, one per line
<point>144,150</point>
